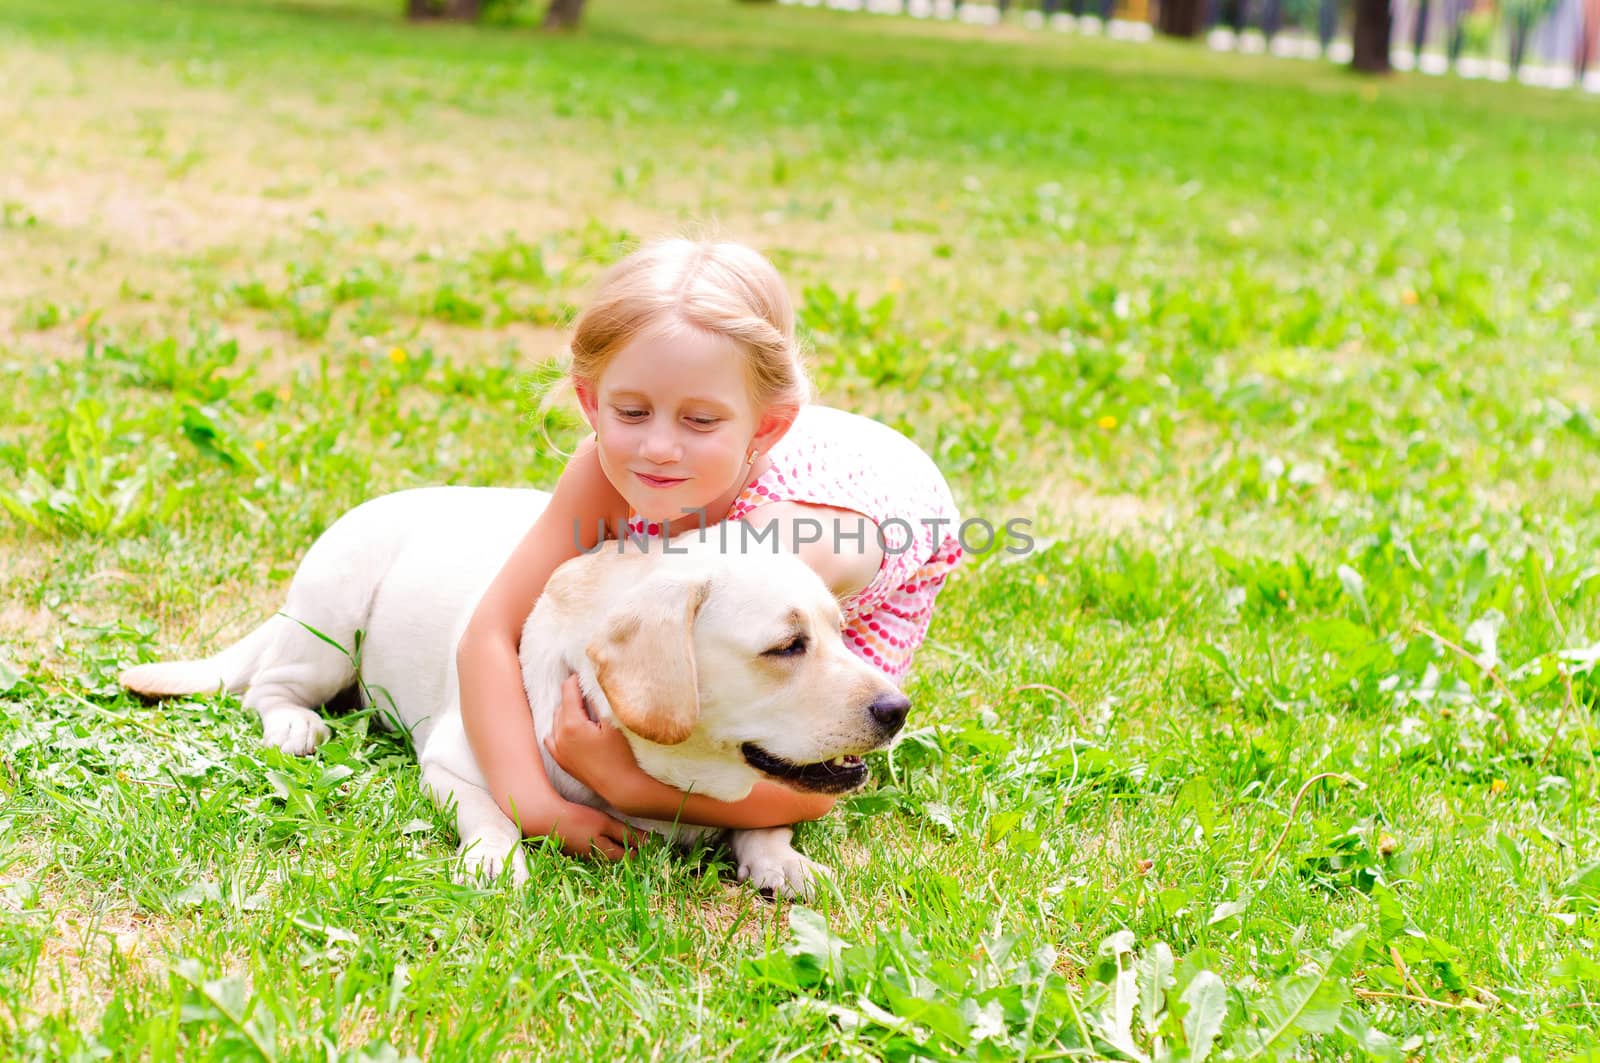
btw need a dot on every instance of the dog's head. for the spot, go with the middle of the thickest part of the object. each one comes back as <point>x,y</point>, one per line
<point>741,657</point>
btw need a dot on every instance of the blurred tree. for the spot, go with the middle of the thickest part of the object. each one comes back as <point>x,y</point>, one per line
<point>1524,16</point>
<point>464,10</point>
<point>1455,17</point>
<point>561,14</point>
<point>1370,49</point>
<point>1181,18</point>
<point>1419,32</point>
<point>1588,36</point>
<point>1327,22</point>
<point>1271,19</point>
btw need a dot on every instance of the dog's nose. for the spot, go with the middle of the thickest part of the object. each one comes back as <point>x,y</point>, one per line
<point>889,710</point>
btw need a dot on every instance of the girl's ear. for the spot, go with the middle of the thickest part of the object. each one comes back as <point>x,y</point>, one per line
<point>773,426</point>
<point>587,400</point>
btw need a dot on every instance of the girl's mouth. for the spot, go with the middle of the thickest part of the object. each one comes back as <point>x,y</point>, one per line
<point>660,481</point>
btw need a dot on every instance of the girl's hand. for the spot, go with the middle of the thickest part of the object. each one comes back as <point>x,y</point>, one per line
<point>595,753</point>
<point>598,755</point>
<point>581,830</point>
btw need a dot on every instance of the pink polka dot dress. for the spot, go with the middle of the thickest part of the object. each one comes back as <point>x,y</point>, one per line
<point>846,461</point>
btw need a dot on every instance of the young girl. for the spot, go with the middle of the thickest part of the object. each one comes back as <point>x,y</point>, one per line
<point>687,369</point>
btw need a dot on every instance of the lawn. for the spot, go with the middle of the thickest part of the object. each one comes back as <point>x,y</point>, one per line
<point>1279,742</point>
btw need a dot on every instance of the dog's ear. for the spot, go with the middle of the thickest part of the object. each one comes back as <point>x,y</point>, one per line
<point>645,662</point>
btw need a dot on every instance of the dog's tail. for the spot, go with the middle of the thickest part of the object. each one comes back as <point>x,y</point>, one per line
<point>228,672</point>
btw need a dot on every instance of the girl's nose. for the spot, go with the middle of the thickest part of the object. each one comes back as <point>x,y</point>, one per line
<point>660,447</point>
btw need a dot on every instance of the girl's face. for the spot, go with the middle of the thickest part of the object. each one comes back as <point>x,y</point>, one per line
<point>674,421</point>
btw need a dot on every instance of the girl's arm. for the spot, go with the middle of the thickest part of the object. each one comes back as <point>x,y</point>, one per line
<point>494,705</point>
<point>847,557</point>
<point>600,757</point>
<point>602,760</point>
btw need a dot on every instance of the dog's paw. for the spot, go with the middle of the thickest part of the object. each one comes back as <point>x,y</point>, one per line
<point>298,732</point>
<point>789,875</point>
<point>484,859</point>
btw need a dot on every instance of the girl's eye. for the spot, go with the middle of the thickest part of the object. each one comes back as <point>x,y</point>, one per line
<point>704,422</point>
<point>630,415</point>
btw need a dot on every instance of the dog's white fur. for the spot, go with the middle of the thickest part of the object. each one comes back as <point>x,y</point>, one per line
<point>649,634</point>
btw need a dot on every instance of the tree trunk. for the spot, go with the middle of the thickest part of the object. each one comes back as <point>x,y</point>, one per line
<point>1374,22</point>
<point>1181,18</point>
<point>1456,17</point>
<point>1419,35</point>
<point>1271,19</point>
<point>455,10</point>
<point>1521,27</point>
<point>563,14</point>
<point>1327,23</point>
<point>1590,35</point>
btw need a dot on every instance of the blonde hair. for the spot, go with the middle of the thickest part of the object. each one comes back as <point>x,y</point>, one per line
<point>721,288</point>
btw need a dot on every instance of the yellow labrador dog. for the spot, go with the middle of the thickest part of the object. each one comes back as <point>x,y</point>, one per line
<point>719,666</point>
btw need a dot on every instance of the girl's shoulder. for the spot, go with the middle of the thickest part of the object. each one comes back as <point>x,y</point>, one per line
<point>832,449</point>
<point>843,460</point>
<point>842,433</point>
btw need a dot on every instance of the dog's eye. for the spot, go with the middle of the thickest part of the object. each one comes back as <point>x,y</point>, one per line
<point>793,648</point>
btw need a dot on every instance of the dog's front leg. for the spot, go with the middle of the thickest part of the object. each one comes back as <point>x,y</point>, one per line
<point>490,843</point>
<point>768,861</point>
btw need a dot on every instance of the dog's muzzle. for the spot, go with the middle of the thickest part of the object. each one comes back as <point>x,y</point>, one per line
<point>841,774</point>
<point>837,776</point>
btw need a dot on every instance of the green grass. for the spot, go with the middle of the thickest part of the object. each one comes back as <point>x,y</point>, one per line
<point>1293,372</point>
